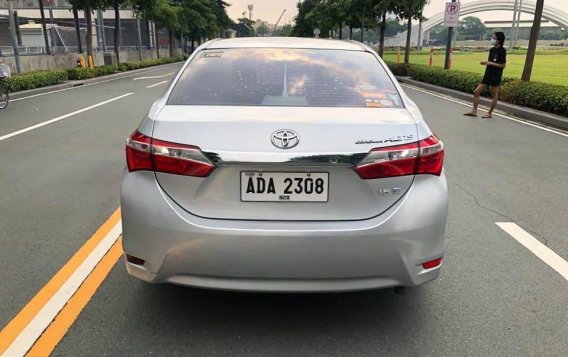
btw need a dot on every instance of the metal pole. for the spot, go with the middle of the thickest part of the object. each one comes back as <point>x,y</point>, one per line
<point>518,23</point>
<point>44,28</point>
<point>513,24</point>
<point>449,46</point>
<point>18,34</point>
<point>102,28</point>
<point>119,31</point>
<point>139,38</point>
<point>419,44</point>
<point>14,37</point>
<point>98,34</point>
<point>148,35</point>
<point>153,37</point>
<point>77,28</point>
<point>51,31</point>
<point>455,37</point>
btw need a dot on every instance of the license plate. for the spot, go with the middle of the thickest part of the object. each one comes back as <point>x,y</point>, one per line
<point>284,186</point>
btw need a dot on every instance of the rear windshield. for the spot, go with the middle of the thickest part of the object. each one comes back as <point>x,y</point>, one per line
<point>285,77</point>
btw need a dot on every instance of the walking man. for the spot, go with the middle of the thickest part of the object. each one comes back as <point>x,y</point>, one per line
<point>493,73</point>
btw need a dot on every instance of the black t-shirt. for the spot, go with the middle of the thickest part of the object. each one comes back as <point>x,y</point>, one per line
<point>496,55</point>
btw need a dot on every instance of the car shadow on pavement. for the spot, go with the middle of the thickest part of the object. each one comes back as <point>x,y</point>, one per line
<point>286,323</point>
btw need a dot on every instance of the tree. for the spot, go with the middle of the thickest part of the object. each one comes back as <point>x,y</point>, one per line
<point>44,28</point>
<point>334,15</point>
<point>89,39</point>
<point>163,13</point>
<point>305,24</point>
<point>245,27</point>
<point>262,30</point>
<point>88,6</point>
<point>353,16</point>
<point>535,29</point>
<point>284,31</point>
<point>338,12</point>
<point>382,7</point>
<point>439,33</point>
<point>410,9</point>
<point>393,27</point>
<point>223,20</point>
<point>472,27</point>
<point>199,20</point>
<point>115,5</point>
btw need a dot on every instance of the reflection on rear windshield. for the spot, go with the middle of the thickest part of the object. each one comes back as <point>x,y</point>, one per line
<point>285,77</point>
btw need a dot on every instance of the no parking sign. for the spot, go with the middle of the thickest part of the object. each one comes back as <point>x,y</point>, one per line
<point>452,14</point>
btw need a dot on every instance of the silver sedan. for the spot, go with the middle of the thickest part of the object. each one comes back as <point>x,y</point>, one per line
<point>289,165</point>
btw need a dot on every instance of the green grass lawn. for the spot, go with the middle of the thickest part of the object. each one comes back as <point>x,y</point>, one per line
<point>549,66</point>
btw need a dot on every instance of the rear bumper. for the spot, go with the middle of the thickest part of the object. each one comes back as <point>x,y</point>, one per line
<point>385,251</point>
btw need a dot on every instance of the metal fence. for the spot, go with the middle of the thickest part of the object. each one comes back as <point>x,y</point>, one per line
<point>8,51</point>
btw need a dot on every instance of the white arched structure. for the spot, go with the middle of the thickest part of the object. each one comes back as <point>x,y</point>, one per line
<point>549,13</point>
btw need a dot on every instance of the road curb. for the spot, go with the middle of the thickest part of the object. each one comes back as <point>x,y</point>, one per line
<point>77,83</point>
<point>518,111</point>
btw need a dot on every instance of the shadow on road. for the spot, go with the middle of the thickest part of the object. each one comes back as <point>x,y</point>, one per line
<point>225,322</point>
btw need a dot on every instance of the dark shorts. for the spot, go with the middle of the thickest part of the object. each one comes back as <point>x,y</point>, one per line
<point>491,81</point>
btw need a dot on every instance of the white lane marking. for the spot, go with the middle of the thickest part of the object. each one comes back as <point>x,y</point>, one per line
<point>466,104</point>
<point>45,316</point>
<point>39,125</point>
<point>89,84</point>
<point>152,77</point>
<point>156,84</point>
<point>545,254</point>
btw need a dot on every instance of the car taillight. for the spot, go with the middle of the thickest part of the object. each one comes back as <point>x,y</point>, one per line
<point>422,157</point>
<point>146,153</point>
<point>431,156</point>
<point>138,152</point>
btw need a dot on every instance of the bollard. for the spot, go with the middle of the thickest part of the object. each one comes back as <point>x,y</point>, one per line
<point>431,55</point>
<point>90,60</point>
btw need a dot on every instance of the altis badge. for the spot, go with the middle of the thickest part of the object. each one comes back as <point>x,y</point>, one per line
<point>392,139</point>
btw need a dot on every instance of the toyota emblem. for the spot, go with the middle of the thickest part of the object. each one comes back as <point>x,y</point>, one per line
<point>285,139</point>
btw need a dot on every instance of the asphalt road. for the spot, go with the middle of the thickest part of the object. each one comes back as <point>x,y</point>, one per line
<point>60,182</point>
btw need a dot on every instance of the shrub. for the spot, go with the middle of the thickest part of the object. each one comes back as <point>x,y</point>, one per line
<point>86,73</point>
<point>128,66</point>
<point>547,97</point>
<point>35,79</point>
<point>104,70</point>
<point>80,73</point>
<point>552,98</point>
<point>398,69</point>
<point>458,80</point>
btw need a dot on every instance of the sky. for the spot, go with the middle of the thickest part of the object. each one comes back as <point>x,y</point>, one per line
<point>270,10</point>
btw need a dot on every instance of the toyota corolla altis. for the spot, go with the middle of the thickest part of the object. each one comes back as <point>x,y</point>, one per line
<point>290,165</point>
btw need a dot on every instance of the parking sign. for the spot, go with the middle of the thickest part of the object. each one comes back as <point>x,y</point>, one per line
<point>452,15</point>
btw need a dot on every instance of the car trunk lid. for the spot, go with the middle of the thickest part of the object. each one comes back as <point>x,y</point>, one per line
<point>239,142</point>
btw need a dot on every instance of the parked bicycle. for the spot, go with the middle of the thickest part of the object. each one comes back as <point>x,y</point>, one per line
<point>4,95</point>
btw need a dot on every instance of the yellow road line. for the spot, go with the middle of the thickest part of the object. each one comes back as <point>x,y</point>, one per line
<point>11,331</point>
<point>67,316</point>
